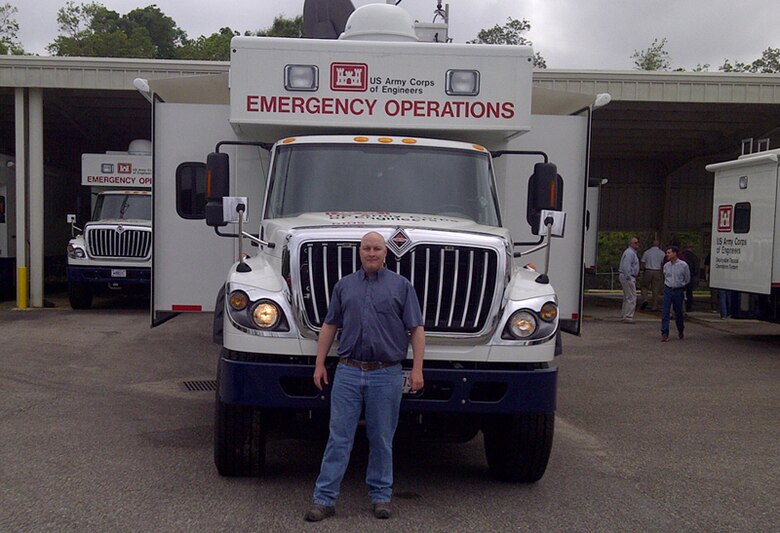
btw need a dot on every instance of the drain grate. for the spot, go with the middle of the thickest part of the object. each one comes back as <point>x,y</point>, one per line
<point>203,385</point>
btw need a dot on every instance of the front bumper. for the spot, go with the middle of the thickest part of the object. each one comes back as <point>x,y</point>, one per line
<point>447,390</point>
<point>103,275</point>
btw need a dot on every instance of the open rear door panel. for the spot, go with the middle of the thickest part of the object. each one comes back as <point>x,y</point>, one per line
<point>190,261</point>
<point>565,140</point>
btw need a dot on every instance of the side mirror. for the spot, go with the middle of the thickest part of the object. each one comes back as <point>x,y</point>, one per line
<point>545,191</point>
<point>217,187</point>
<point>71,218</point>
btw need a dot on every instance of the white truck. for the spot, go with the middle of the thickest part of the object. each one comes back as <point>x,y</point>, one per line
<point>113,250</point>
<point>745,249</point>
<point>432,145</point>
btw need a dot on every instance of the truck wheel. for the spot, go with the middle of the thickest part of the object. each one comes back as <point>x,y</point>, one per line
<point>80,295</point>
<point>517,447</point>
<point>239,440</point>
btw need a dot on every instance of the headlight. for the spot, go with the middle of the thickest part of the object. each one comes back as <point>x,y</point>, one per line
<point>239,300</point>
<point>74,252</point>
<point>549,312</point>
<point>265,314</point>
<point>522,324</point>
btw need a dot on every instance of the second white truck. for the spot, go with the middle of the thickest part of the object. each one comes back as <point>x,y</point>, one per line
<point>113,250</point>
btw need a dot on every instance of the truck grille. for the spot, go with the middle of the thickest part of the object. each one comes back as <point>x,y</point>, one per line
<point>455,284</point>
<point>108,242</point>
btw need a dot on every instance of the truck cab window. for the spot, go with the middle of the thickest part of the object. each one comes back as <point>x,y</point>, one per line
<point>344,177</point>
<point>191,190</point>
<point>742,217</point>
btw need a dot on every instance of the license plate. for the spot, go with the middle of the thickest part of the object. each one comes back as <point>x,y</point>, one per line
<point>407,375</point>
<point>118,273</point>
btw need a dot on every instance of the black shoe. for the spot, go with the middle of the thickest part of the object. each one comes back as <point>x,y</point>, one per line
<point>681,335</point>
<point>643,306</point>
<point>382,510</point>
<point>319,512</point>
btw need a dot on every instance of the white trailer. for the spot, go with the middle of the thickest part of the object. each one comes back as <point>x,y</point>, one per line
<point>432,145</point>
<point>112,252</point>
<point>745,252</point>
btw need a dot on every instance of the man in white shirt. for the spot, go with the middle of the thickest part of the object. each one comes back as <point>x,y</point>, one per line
<point>652,279</point>
<point>629,271</point>
<point>676,277</point>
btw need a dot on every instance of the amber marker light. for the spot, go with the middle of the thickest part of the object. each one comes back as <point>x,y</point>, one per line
<point>409,141</point>
<point>288,141</point>
<point>478,147</point>
<point>239,300</point>
<point>549,312</point>
<point>360,139</point>
<point>385,140</point>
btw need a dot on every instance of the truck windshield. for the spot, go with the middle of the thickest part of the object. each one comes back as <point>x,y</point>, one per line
<point>311,178</point>
<point>123,206</point>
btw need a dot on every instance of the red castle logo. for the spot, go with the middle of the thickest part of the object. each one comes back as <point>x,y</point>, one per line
<point>349,77</point>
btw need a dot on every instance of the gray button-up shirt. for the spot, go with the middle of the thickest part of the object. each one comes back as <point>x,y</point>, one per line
<point>375,314</point>
<point>629,263</point>
<point>676,274</point>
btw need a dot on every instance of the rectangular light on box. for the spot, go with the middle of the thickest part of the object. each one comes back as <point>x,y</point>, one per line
<point>462,82</point>
<point>301,77</point>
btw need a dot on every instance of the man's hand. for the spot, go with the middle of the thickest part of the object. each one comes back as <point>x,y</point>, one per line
<point>416,380</point>
<point>320,376</point>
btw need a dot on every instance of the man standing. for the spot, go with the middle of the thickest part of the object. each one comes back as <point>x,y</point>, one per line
<point>676,277</point>
<point>379,316</point>
<point>629,270</point>
<point>652,279</point>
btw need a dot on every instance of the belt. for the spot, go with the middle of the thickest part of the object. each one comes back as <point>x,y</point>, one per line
<point>368,365</point>
<point>674,288</point>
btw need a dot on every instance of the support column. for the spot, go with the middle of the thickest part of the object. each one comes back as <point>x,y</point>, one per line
<point>20,121</point>
<point>36,197</point>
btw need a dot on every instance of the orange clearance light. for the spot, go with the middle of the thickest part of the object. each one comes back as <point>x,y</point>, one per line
<point>360,139</point>
<point>288,141</point>
<point>531,266</point>
<point>478,147</point>
<point>385,140</point>
<point>409,141</point>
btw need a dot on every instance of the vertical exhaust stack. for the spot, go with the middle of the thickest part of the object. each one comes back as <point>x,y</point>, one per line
<point>325,19</point>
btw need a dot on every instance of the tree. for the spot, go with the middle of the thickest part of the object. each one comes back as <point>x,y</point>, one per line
<point>166,36</point>
<point>510,33</point>
<point>652,58</point>
<point>215,47</point>
<point>283,27</point>
<point>768,63</point>
<point>91,30</point>
<point>9,42</point>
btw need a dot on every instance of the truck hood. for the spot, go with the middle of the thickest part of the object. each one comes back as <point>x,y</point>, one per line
<point>277,229</point>
<point>120,222</point>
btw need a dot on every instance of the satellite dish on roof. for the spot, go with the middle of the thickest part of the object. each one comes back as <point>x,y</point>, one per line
<point>325,19</point>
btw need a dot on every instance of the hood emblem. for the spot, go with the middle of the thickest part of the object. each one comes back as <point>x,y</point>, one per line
<point>399,242</point>
<point>120,229</point>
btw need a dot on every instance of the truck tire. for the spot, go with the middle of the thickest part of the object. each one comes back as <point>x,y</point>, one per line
<point>239,439</point>
<point>517,447</point>
<point>80,295</point>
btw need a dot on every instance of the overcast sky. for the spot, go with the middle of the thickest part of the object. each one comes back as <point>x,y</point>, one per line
<point>570,34</point>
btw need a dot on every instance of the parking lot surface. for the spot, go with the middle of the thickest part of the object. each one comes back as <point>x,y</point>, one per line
<point>104,428</point>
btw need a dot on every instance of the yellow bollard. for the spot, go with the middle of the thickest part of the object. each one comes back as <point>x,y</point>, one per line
<point>21,287</point>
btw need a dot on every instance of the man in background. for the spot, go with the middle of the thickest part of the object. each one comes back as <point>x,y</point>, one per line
<point>652,279</point>
<point>629,271</point>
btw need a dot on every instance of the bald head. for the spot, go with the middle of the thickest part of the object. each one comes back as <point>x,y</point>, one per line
<point>373,251</point>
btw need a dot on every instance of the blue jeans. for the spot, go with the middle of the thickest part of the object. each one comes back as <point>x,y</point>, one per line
<point>724,302</point>
<point>672,297</point>
<point>379,391</point>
